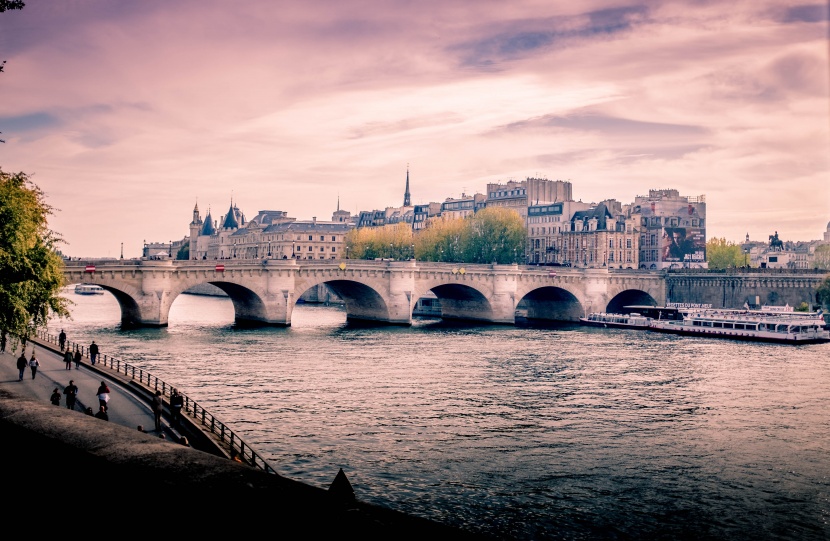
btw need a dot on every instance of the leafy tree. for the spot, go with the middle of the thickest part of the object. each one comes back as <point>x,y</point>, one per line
<point>489,235</point>
<point>31,271</point>
<point>821,257</point>
<point>493,233</point>
<point>723,254</point>
<point>390,241</point>
<point>183,253</point>
<point>823,292</point>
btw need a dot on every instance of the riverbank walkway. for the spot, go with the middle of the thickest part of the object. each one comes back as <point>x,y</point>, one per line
<point>65,473</point>
<point>124,408</point>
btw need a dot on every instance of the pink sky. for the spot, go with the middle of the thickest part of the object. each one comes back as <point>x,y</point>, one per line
<point>128,113</point>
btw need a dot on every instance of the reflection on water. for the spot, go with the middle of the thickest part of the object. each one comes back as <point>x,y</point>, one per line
<point>527,432</point>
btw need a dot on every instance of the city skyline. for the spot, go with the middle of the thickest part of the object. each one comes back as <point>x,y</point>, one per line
<point>126,115</point>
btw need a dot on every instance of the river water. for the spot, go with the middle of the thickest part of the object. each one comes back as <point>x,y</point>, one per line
<point>563,432</point>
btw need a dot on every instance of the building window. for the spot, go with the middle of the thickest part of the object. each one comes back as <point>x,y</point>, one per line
<point>333,249</point>
<point>322,238</point>
<point>333,239</point>
<point>310,237</point>
<point>310,248</point>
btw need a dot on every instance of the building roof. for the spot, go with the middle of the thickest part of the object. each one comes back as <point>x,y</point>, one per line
<point>230,219</point>
<point>208,229</point>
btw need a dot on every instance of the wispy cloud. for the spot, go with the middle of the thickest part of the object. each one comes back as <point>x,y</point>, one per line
<point>122,107</point>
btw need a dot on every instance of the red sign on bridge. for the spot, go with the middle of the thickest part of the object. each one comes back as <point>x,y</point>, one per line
<point>89,268</point>
<point>220,268</point>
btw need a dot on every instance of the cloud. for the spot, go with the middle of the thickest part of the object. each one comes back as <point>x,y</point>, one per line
<point>808,13</point>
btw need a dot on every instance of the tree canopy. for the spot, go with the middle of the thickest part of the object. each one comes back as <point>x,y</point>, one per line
<point>823,293</point>
<point>723,254</point>
<point>490,235</point>
<point>31,271</point>
<point>821,257</point>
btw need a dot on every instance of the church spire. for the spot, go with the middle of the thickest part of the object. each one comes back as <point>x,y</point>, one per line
<point>406,202</point>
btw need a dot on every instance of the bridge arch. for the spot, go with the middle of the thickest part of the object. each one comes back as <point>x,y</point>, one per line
<point>460,300</point>
<point>362,301</point>
<point>629,297</point>
<point>550,303</point>
<point>125,295</point>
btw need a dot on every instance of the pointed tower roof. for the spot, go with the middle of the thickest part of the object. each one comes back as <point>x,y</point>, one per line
<point>208,229</point>
<point>230,219</point>
<point>406,199</point>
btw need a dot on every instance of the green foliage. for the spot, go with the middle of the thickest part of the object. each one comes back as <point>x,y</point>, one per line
<point>183,252</point>
<point>31,271</point>
<point>494,234</point>
<point>823,292</point>
<point>388,242</point>
<point>821,257</point>
<point>723,254</point>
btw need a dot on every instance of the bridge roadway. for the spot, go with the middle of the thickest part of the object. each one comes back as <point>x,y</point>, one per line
<point>265,291</point>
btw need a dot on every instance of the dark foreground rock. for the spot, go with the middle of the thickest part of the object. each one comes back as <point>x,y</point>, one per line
<point>68,474</point>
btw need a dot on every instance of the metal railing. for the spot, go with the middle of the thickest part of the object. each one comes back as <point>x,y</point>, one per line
<point>239,449</point>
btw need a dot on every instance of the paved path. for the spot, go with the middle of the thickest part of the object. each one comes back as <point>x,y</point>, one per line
<point>124,408</point>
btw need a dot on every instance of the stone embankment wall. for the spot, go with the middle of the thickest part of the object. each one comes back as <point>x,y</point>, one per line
<point>733,290</point>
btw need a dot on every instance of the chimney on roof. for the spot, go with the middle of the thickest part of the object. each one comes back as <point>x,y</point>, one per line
<point>314,219</point>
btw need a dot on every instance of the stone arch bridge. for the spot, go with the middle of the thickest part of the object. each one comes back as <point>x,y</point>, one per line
<point>265,292</point>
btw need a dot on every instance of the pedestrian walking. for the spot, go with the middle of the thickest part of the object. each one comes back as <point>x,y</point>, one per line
<point>158,408</point>
<point>176,405</point>
<point>77,358</point>
<point>93,352</point>
<point>103,395</point>
<point>71,392</point>
<point>67,358</point>
<point>22,363</point>
<point>55,399</point>
<point>33,364</point>
<point>102,414</point>
<point>62,339</point>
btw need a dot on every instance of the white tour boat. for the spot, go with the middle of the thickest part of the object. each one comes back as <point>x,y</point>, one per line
<point>88,289</point>
<point>621,321</point>
<point>755,325</point>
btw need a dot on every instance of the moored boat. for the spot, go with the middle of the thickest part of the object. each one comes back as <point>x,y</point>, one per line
<point>621,321</point>
<point>781,327</point>
<point>88,289</point>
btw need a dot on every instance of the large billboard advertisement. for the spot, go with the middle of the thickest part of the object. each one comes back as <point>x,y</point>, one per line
<point>683,245</point>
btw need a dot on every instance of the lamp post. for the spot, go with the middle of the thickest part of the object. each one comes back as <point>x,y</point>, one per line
<point>390,250</point>
<point>347,252</point>
<point>122,250</point>
<point>413,250</point>
<point>293,249</point>
<point>171,249</point>
<point>514,256</point>
<point>144,249</point>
